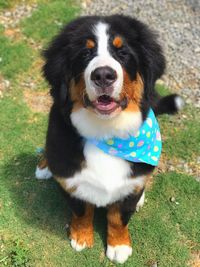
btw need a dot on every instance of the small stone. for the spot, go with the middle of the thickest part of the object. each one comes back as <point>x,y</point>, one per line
<point>7,83</point>
<point>171,168</point>
<point>84,5</point>
<point>172,199</point>
<point>197,50</point>
<point>160,82</point>
<point>58,23</point>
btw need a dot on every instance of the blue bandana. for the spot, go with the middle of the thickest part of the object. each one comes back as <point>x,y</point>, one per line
<point>144,146</point>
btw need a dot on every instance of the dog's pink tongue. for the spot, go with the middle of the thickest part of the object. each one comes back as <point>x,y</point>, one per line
<point>106,105</point>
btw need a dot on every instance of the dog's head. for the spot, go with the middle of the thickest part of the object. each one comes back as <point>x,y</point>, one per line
<point>103,70</point>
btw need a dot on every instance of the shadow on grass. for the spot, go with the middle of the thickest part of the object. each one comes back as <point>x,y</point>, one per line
<point>40,203</point>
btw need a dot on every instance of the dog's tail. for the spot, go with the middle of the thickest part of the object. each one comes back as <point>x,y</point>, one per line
<point>169,104</point>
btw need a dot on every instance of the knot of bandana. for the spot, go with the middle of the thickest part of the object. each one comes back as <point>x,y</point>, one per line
<point>144,146</point>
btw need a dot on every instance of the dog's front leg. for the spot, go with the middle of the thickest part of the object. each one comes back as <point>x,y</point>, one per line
<point>118,239</point>
<point>81,228</point>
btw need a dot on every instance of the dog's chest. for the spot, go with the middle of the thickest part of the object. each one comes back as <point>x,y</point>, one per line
<point>104,180</point>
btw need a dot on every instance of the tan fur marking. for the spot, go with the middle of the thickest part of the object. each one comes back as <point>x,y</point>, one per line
<point>77,93</point>
<point>133,90</point>
<point>81,228</point>
<point>118,42</point>
<point>138,189</point>
<point>43,163</point>
<point>90,44</point>
<point>63,183</point>
<point>117,233</point>
<point>148,181</point>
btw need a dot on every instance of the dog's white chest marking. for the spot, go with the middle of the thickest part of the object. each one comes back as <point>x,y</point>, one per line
<point>105,179</point>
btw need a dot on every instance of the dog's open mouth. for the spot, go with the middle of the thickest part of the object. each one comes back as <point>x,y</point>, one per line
<point>105,104</point>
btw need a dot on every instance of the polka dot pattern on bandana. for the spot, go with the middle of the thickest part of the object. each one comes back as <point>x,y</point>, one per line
<point>143,146</point>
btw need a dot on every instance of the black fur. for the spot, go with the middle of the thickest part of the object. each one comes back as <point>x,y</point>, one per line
<point>64,146</point>
<point>167,105</point>
<point>77,206</point>
<point>128,206</point>
<point>139,169</point>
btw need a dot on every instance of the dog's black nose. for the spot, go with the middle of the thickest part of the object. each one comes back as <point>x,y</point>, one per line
<point>104,76</point>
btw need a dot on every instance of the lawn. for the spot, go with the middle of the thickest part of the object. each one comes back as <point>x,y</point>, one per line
<point>34,216</point>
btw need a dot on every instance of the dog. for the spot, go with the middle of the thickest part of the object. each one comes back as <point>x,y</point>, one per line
<point>103,140</point>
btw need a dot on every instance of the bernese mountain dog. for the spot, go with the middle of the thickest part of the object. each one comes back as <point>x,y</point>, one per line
<point>103,140</point>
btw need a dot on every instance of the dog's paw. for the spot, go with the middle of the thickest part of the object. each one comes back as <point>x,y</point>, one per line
<point>179,102</point>
<point>140,203</point>
<point>43,173</point>
<point>82,239</point>
<point>118,254</point>
<point>78,247</point>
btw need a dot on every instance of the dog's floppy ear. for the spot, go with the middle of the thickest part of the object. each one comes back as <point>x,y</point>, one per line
<point>153,62</point>
<point>151,58</point>
<point>57,68</point>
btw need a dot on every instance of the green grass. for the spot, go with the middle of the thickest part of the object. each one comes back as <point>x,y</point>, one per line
<point>48,19</point>
<point>186,138</point>
<point>18,255</point>
<point>183,131</point>
<point>6,4</point>
<point>16,57</point>
<point>33,214</point>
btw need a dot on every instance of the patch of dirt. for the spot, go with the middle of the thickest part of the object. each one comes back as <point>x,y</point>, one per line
<point>38,101</point>
<point>195,261</point>
<point>12,33</point>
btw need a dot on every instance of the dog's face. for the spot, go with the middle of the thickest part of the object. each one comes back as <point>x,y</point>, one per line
<point>107,77</point>
<point>106,68</point>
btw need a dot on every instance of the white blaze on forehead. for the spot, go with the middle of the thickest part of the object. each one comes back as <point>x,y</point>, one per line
<point>101,33</point>
<point>103,58</point>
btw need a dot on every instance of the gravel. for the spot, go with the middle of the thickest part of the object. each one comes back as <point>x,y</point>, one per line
<point>10,18</point>
<point>178,25</point>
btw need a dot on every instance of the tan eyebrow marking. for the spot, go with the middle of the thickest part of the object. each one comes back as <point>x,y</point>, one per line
<point>90,44</point>
<point>118,42</point>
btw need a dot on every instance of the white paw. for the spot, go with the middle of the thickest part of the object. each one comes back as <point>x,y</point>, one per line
<point>43,173</point>
<point>119,254</point>
<point>77,246</point>
<point>179,102</point>
<point>140,203</point>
